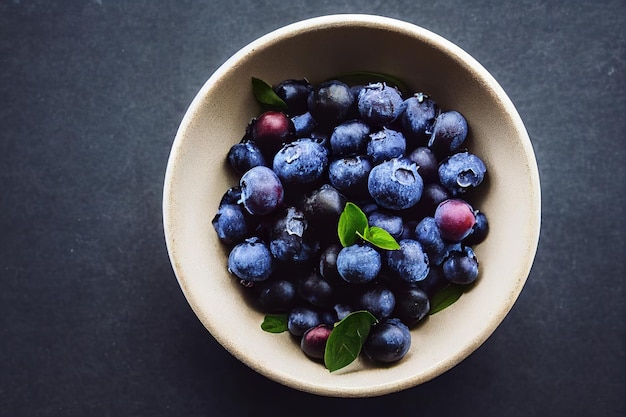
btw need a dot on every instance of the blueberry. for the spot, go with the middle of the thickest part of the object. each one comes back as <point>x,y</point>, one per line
<point>316,290</point>
<point>455,219</point>
<point>358,264</point>
<point>342,310</point>
<point>449,133</point>
<point>412,305</point>
<point>350,175</point>
<point>301,319</point>
<point>328,264</point>
<point>230,224</point>
<point>313,342</point>
<point>461,267</point>
<point>295,94</point>
<point>323,207</point>
<point>320,137</point>
<point>408,229</point>
<point>428,235</point>
<point>426,162</point>
<point>302,161</point>
<point>289,239</point>
<point>277,296</point>
<point>418,118</point>
<point>231,196</point>
<point>251,261</point>
<point>393,224</point>
<point>331,102</point>
<point>324,204</point>
<point>433,282</point>
<point>304,124</point>
<point>479,231</point>
<point>356,90</point>
<point>385,144</point>
<point>409,263</point>
<point>379,104</point>
<point>461,172</point>
<point>271,130</point>
<point>388,341</point>
<point>261,190</point>
<point>379,301</point>
<point>395,184</point>
<point>433,195</point>
<point>245,155</point>
<point>349,138</point>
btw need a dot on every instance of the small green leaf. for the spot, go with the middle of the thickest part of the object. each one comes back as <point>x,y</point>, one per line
<point>275,323</point>
<point>380,237</point>
<point>266,95</point>
<point>445,297</point>
<point>367,77</point>
<point>351,221</point>
<point>346,339</point>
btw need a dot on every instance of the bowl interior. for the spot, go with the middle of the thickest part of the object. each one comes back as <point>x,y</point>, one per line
<point>198,175</point>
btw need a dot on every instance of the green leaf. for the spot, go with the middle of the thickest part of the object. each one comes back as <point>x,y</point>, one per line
<point>380,237</point>
<point>346,339</point>
<point>275,323</point>
<point>367,77</point>
<point>445,297</point>
<point>351,221</point>
<point>266,95</point>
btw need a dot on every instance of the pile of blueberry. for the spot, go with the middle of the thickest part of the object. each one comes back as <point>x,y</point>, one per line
<point>402,161</point>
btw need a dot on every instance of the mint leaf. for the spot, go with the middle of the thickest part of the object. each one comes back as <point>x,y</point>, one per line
<point>351,221</point>
<point>346,339</point>
<point>381,238</point>
<point>266,95</point>
<point>276,323</point>
<point>445,297</point>
<point>368,77</point>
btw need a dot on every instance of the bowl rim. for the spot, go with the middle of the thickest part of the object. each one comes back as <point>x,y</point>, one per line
<point>366,21</point>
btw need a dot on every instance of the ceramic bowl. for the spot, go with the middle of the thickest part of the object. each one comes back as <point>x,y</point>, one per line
<point>317,49</point>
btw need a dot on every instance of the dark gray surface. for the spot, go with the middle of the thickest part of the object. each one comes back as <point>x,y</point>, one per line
<point>92,320</point>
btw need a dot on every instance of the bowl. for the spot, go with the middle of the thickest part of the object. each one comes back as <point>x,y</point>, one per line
<point>197,176</point>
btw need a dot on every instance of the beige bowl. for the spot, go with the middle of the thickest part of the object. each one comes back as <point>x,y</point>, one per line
<point>197,176</point>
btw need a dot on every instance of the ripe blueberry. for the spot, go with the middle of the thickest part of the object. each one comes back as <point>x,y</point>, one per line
<point>358,263</point>
<point>385,144</point>
<point>300,162</point>
<point>461,267</point>
<point>251,261</point>
<point>261,190</point>
<point>295,94</point>
<point>461,172</point>
<point>379,104</point>
<point>449,133</point>
<point>418,118</point>
<point>388,341</point>
<point>331,102</point>
<point>395,184</point>
<point>409,263</point>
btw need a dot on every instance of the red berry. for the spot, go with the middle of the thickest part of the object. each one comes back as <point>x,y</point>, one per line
<point>313,341</point>
<point>455,219</point>
<point>271,130</point>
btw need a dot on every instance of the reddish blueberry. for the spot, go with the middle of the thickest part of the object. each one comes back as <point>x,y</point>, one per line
<point>313,341</point>
<point>455,219</point>
<point>271,130</point>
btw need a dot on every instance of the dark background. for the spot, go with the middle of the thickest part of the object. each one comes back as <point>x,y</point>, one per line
<point>92,320</point>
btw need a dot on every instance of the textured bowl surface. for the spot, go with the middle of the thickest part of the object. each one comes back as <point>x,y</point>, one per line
<point>320,48</point>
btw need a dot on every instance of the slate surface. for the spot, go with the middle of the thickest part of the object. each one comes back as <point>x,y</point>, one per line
<point>92,321</point>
